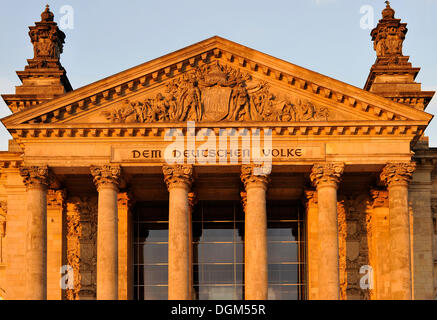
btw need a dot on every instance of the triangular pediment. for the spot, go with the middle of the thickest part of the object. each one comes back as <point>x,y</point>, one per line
<point>217,81</point>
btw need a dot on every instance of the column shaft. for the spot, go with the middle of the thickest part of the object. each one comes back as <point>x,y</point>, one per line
<point>255,239</point>
<point>107,244</point>
<point>179,179</point>
<point>106,178</point>
<point>178,245</point>
<point>326,178</point>
<point>256,267</point>
<point>397,176</point>
<point>36,243</point>
<point>36,181</point>
<point>329,282</point>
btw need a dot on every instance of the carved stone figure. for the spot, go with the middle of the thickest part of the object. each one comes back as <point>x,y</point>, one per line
<point>216,93</point>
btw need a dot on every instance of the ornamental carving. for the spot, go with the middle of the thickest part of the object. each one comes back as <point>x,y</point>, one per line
<point>388,38</point>
<point>47,42</point>
<point>329,172</point>
<point>342,233</point>
<point>82,246</point>
<point>434,214</point>
<point>178,175</point>
<point>55,198</point>
<point>214,93</point>
<point>105,175</point>
<point>243,195</point>
<point>398,173</point>
<point>74,231</point>
<point>125,199</point>
<point>310,199</point>
<point>35,176</point>
<point>192,200</point>
<point>355,232</point>
<point>3,213</point>
<point>380,198</point>
<point>254,174</point>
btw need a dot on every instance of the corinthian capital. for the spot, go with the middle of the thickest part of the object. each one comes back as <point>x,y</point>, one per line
<point>253,174</point>
<point>327,173</point>
<point>397,173</point>
<point>106,175</point>
<point>35,176</point>
<point>178,175</point>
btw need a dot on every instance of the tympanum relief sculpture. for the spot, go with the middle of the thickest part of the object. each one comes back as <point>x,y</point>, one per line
<point>214,93</point>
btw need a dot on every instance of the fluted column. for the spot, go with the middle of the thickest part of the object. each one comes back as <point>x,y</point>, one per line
<point>106,179</point>
<point>36,180</point>
<point>326,178</point>
<point>178,179</point>
<point>255,243</point>
<point>396,176</point>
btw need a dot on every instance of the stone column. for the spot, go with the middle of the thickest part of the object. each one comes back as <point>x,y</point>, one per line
<point>255,243</point>
<point>178,179</point>
<point>36,180</point>
<point>326,178</point>
<point>106,179</point>
<point>396,176</point>
<point>313,245</point>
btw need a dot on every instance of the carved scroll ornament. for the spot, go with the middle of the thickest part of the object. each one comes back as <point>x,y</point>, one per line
<point>215,93</point>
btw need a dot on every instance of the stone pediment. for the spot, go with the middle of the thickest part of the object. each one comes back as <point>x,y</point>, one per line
<point>219,83</point>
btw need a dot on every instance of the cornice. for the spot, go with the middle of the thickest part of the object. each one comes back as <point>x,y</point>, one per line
<point>396,129</point>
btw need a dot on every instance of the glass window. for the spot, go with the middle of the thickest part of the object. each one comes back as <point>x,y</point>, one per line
<point>218,250</point>
<point>151,251</point>
<point>285,245</point>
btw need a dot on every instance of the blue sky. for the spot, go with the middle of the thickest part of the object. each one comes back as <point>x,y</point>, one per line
<point>322,35</point>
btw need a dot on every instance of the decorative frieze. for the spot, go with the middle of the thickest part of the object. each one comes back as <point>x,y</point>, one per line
<point>105,175</point>
<point>323,173</point>
<point>216,92</point>
<point>177,175</point>
<point>397,173</point>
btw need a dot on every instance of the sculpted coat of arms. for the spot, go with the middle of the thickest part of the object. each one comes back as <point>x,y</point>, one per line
<point>216,93</point>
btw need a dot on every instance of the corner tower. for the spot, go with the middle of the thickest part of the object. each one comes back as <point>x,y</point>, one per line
<point>43,78</point>
<point>392,76</point>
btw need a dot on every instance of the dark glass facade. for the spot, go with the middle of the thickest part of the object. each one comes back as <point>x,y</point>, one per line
<point>218,251</point>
